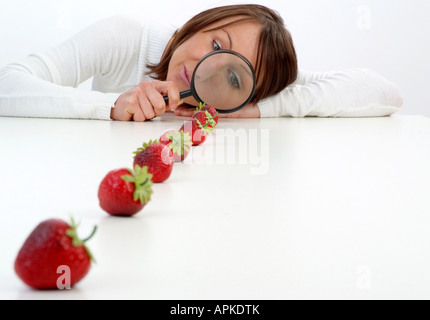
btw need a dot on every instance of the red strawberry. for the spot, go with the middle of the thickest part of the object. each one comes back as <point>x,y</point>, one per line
<point>205,118</point>
<point>196,129</point>
<point>179,142</point>
<point>157,157</point>
<point>53,256</point>
<point>212,112</point>
<point>124,192</point>
<point>210,109</point>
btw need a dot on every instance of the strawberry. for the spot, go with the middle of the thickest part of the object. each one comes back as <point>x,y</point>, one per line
<point>124,192</point>
<point>196,129</point>
<point>157,157</point>
<point>51,248</point>
<point>205,118</point>
<point>179,142</point>
<point>210,109</point>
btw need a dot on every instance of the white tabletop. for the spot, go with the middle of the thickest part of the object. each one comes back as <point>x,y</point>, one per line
<point>264,209</point>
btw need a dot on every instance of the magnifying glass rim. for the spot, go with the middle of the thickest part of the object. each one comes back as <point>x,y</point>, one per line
<point>193,89</point>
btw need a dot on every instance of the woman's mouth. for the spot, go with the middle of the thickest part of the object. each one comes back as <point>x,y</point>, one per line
<point>185,76</point>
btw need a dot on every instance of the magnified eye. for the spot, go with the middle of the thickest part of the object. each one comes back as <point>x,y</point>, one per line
<point>234,80</point>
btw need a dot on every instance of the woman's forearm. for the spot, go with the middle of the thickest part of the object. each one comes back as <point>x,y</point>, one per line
<point>46,84</point>
<point>349,93</point>
<point>23,95</point>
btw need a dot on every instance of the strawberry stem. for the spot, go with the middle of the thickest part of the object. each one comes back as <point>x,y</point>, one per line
<point>144,182</point>
<point>91,235</point>
<point>72,233</point>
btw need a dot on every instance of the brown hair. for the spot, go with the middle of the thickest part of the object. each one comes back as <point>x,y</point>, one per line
<point>276,65</point>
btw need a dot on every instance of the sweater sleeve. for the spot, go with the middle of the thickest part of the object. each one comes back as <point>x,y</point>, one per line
<point>349,93</point>
<point>45,84</point>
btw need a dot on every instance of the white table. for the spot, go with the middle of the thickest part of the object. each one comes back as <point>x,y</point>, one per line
<point>264,209</point>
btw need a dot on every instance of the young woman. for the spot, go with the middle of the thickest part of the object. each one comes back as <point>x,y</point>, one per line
<point>135,63</point>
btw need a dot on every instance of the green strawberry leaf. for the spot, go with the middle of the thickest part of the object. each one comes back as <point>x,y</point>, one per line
<point>127,178</point>
<point>205,128</point>
<point>187,141</point>
<point>145,145</point>
<point>210,119</point>
<point>72,232</point>
<point>143,184</point>
<point>200,107</point>
<point>180,142</point>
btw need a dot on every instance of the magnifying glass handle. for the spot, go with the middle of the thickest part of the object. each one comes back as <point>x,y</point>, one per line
<point>182,94</point>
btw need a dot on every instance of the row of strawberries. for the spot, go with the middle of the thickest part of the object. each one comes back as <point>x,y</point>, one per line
<point>122,192</point>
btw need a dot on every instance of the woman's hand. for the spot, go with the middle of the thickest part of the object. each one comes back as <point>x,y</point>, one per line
<point>251,110</point>
<point>145,101</point>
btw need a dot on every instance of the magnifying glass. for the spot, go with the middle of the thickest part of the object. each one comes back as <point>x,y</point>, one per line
<point>223,79</point>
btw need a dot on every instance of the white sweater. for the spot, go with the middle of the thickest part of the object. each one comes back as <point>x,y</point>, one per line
<point>115,52</point>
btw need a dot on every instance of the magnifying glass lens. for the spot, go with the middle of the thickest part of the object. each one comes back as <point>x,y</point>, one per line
<point>224,81</point>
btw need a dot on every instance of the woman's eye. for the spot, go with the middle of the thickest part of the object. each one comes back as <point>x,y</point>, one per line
<point>234,80</point>
<point>216,46</point>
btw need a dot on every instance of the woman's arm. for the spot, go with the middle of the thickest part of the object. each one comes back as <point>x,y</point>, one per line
<point>349,93</point>
<point>45,85</point>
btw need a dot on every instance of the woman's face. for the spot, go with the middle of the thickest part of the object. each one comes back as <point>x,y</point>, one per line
<point>241,37</point>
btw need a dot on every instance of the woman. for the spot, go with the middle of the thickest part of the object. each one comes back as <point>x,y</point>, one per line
<point>135,64</point>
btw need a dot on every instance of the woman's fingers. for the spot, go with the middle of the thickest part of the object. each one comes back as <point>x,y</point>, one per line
<point>145,101</point>
<point>169,89</point>
<point>139,115</point>
<point>120,113</point>
<point>156,106</point>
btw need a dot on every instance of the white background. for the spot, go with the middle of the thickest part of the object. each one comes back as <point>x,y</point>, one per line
<point>388,36</point>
